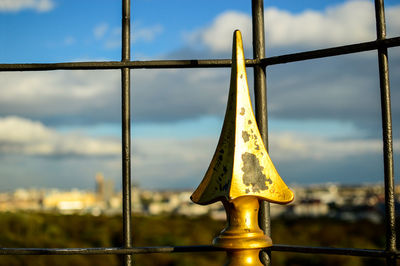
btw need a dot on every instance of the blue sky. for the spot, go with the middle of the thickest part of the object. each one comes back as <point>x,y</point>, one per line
<point>59,128</point>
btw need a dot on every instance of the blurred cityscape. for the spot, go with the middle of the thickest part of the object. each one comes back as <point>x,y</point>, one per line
<point>343,202</point>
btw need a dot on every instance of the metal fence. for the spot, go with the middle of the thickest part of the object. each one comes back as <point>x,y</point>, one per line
<point>259,63</point>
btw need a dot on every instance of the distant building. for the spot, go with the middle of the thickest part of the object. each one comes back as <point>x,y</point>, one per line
<point>69,201</point>
<point>104,189</point>
<point>99,186</point>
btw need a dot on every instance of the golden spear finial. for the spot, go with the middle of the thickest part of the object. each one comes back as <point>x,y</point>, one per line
<point>241,172</point>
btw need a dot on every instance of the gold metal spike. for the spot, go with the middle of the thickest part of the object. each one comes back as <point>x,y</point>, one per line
<point>241,173</point>
<point>241,165</point>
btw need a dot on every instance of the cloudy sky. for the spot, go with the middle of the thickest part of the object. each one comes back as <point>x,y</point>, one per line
<point>59,128</point>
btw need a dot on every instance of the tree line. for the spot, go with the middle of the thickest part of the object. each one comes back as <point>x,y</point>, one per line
<point>50,230</point>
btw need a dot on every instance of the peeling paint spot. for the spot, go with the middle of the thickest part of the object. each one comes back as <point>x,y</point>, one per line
<point>242,111</point>
<point>252,173</point>
<point>245,136</point>
<point>249,122</point>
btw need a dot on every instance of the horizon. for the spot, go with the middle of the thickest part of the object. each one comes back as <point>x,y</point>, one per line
<point>172,189</point>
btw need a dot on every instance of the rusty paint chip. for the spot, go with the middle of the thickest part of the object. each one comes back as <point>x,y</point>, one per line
<point>252,173</point>
<point>245,136</point>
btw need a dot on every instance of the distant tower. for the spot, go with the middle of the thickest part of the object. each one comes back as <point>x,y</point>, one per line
<point>108,191</point>
<point>99,186</point>
<point>104,188</point>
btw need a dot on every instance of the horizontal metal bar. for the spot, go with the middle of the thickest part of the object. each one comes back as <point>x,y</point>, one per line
<point>335,51</point>
<point>126,64</point>
<point>105,251</point>
<point>201,248</point>
<point>335,251</point>
<point>206,63</point>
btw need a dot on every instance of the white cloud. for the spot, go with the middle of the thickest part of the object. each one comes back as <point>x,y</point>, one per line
<point>111,36</point>
<point>69,40</point>
<point>24,136</point>
<point>154,159</point>
<point>341,88</point>
<point>60,93</point>
<point>94,96</point>
<point>292,146</point>
<point>173,162</point>
<point>170,162</point>
<point>175,95</point>
<point>113,40</point>
<point>350,22</point>
<point>100,30</point>
<point>146,34</point>
<point>18,5</point>
<point>160,162</point>
<point>393,21</point>
<point>218,36</point>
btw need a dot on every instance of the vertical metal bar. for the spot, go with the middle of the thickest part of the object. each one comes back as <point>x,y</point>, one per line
<point>126,133</point>
<point>260,94</point>
<point>390,218</point>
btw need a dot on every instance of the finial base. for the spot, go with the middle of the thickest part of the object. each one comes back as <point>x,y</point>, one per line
<point>242,230</point>
<point>242,238</point>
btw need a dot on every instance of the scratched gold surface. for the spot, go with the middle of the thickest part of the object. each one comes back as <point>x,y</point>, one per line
<point>241,165</point>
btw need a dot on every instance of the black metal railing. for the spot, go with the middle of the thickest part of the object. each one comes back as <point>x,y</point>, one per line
<point>259,63</point>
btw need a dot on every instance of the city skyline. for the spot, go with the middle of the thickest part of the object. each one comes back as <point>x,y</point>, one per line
<point>346,203</point>
<point>59,128</point>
